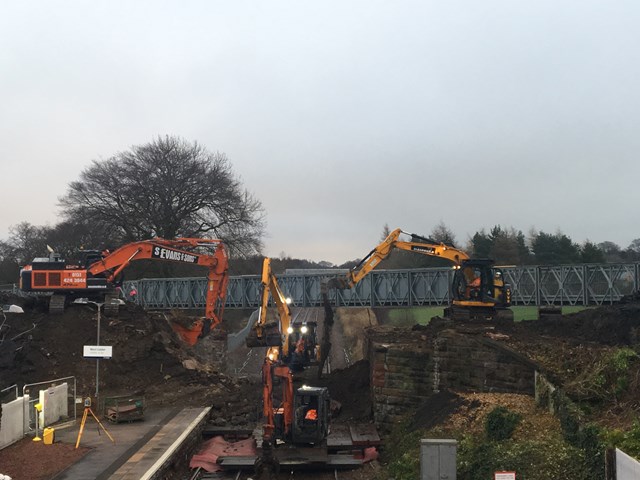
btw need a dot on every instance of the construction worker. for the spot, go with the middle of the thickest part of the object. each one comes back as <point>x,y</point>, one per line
<point>474,285</point>
<point>297,357</point>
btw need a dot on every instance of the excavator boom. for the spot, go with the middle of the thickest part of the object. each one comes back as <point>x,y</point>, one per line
<point>181,251</point>
<point>417,244</point>
<point>98,274</point>
<point>267,333</point>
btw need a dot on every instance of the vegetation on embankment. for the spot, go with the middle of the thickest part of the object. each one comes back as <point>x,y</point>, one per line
<point>495,433</point>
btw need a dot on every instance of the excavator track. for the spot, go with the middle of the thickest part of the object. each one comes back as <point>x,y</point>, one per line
<point>457,314</point>
<point>478,314</point>
<point>56,304</point>
<point>504,317</point>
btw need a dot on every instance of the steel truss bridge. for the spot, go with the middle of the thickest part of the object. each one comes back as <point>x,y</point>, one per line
<point>592,284</point>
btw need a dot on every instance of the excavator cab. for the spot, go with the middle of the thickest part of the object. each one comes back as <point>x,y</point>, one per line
<point>89,257</point>
<point>303,340</point>
<point>478,280</point>
<point>311,415</point>
<point>480,285</point>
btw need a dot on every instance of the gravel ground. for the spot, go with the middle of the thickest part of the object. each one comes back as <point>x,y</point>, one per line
<point>29,460</point>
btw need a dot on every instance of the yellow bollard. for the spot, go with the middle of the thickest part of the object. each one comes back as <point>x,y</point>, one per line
<point>38,407</point>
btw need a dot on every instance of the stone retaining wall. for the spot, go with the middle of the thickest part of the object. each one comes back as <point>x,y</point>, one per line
<point>406,371</point>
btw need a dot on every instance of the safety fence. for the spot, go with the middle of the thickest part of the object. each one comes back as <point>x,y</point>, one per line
<point>49,403</point>
<point>563,285</point>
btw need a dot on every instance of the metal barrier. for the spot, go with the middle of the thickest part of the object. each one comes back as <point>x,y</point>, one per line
<point>588,284</point>
<point>32,390</point>
<point>15,393</point>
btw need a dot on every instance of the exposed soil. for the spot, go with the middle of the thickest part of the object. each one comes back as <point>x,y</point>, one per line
<point>454,412</point>
<point>437,409</point>
<point>149,359</point>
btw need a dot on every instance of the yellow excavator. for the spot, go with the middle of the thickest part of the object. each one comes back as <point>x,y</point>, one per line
<point>478,290</point>
<point>295,342</point>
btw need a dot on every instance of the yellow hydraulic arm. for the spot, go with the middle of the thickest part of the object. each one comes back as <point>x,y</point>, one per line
<point>269,286</point>
<point>383,250</point>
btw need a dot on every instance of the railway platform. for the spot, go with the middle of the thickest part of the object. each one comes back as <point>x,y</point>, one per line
<point>141,450</point>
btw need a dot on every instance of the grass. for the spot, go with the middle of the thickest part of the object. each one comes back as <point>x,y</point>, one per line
<point>422,315</point>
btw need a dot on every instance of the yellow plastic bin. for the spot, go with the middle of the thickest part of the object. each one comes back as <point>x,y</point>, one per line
<point>48,435</point>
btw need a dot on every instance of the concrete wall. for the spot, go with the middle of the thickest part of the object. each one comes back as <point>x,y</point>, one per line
<point>405,371</point>
<point>627,468</point>
<point>12,427</point>
<point>55,404</point>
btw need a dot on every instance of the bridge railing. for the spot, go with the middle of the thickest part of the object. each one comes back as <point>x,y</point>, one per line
<point>587,284</point>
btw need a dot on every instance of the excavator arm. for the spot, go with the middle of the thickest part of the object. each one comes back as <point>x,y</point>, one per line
<point>267,333</point>
<point>180,250</point>
<point>417,244</point>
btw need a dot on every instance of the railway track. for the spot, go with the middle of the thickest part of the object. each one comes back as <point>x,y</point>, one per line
<point>200,474</point>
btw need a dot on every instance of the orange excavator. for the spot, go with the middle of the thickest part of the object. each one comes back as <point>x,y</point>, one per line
<point>298,418</point>
<point>96,276</point>
<point>478,289</point>
<point>292,416</point>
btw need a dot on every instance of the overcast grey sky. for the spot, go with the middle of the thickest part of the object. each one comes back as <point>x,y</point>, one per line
<point>340,116</point>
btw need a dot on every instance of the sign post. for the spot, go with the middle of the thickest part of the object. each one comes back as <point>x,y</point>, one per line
<point>504,476</point>
<point>97,351</point>
<point>97,357</point>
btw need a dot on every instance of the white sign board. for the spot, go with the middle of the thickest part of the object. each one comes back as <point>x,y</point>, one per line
<point>98,351</point>
<point>504,476</point>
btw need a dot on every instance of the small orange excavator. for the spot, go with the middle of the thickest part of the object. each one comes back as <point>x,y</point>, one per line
<point>95,276</point>
<point>298,417</point>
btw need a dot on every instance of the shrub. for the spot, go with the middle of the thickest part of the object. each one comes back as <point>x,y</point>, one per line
<point>501,423</point>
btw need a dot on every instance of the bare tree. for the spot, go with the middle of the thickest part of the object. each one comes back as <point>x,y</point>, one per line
<point>442,233</point>
<point>25,242</point>
<point>168,188</point>
<point>385,232</point>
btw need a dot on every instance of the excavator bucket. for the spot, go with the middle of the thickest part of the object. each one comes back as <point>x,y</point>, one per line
<point>189,334</point>
<point>270,337</point>
<point>337,283</point>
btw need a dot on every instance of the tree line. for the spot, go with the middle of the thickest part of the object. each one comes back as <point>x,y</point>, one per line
<point>172,188</point>
<point>508,246</point>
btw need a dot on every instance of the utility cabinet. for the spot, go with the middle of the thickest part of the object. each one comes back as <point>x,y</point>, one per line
<point>438,459</point>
